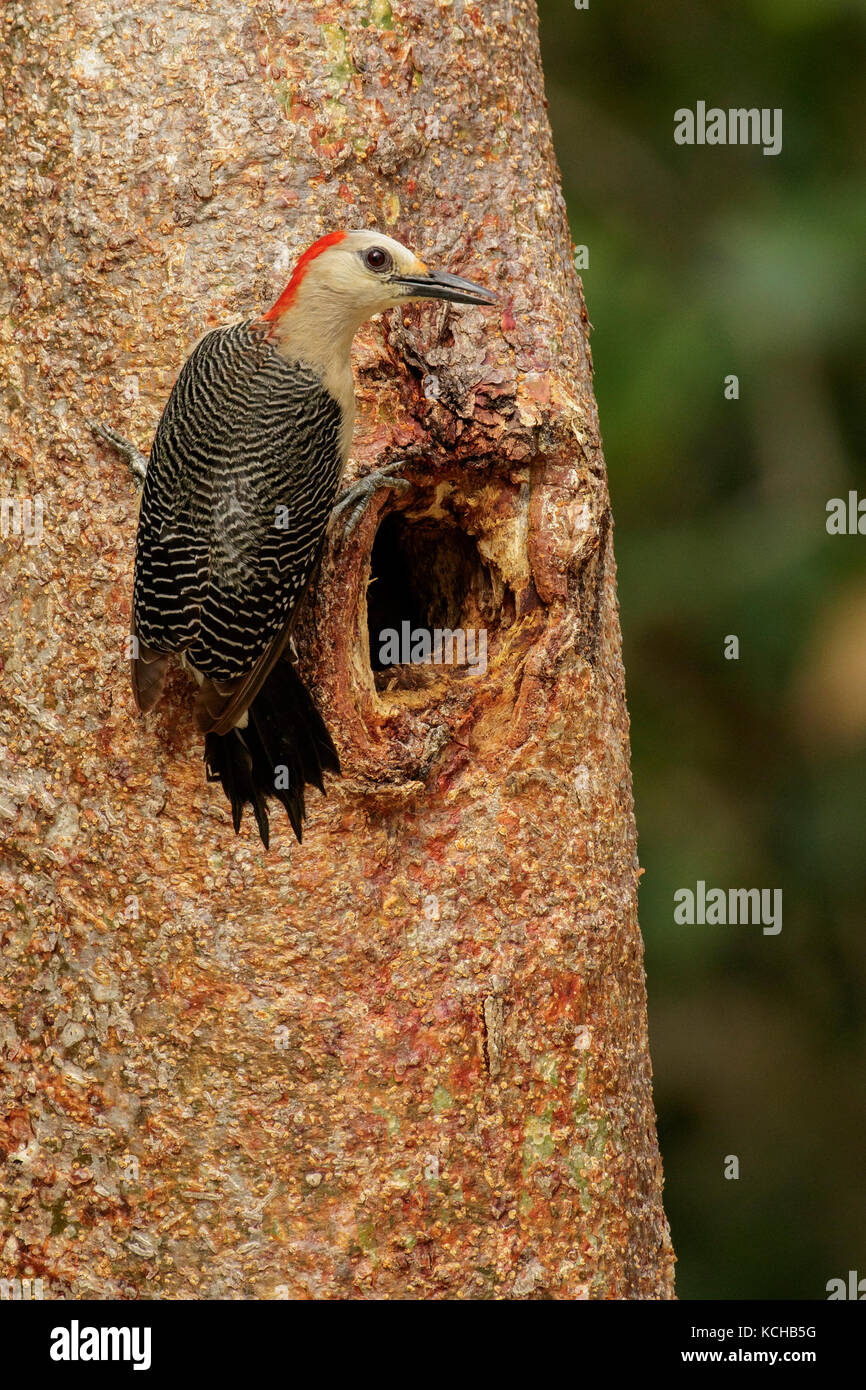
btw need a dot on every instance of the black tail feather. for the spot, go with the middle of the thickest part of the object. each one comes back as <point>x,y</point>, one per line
<point>284,747</point>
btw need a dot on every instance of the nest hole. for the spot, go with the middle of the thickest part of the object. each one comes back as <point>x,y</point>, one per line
<point>427,577</point>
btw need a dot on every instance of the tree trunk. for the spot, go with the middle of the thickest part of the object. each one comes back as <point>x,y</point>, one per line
<point>409,1058</point>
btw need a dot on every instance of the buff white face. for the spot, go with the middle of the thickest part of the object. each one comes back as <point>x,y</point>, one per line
<point>376,270</point>
<point>359,274</point>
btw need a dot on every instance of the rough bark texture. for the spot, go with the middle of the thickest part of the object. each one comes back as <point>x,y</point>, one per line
<point>410,1058</point>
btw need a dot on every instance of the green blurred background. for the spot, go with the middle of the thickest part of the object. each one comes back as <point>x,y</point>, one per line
<point>750,773</point>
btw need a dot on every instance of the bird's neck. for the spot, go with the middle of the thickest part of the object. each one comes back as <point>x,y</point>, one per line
<point>316,329</point>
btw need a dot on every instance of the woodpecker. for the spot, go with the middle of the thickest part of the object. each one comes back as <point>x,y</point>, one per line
<point>241,480</point>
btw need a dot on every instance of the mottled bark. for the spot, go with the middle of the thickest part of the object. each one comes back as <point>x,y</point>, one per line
<point>408,1059</point>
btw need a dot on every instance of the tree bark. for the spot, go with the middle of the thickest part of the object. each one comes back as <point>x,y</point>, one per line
<point>408,1059</point>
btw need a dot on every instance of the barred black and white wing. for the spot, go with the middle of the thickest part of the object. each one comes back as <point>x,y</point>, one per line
<point>243,474</point>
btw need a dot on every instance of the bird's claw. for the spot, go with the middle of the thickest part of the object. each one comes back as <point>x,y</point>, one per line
<point>357,498</point>
<point>135,458</point>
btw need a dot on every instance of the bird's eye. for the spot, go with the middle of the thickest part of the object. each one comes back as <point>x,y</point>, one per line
<point>377,259</point>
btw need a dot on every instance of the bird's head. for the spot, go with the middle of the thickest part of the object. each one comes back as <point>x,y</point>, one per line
<point>347,277</point>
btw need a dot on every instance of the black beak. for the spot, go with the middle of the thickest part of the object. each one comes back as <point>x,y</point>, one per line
<point>434,285</point>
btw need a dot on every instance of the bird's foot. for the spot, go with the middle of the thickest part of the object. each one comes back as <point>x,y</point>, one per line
<point>349,508</point>
<point>135,458</point>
